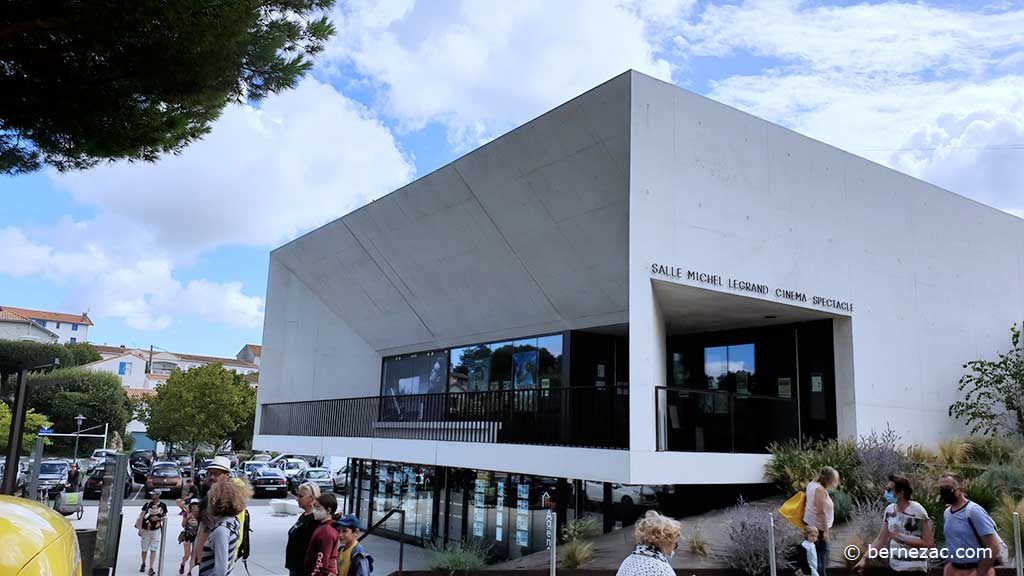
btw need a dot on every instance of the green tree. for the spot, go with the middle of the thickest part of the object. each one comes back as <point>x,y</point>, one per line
<point>207,405</point>
<point>65,393</point>
<point>18,354</point>
<point>85,81</point>
<point>994,400</point>
<point>34,422</point>
<point>83,353</point>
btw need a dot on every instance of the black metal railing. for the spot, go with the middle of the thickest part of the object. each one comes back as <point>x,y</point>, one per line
<point>723,421</point>
<point>592,417</point>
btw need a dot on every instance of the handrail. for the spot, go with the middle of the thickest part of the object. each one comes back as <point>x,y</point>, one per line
<point>733,392</point>
<point>401,534</point>
<point>461,394</point>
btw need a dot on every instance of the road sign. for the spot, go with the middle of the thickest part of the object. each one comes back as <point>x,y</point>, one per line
<point>46,431</point>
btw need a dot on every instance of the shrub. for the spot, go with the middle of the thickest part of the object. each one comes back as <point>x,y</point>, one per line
<point>1004,478</point>
<point>981,493</point>
<point>577,553</point>
<point>580,530</point>
<point>791,466</point>
<point>984,451</point>
<point>747,546</point>
<point>697,543</point>
<point>918,455</point>
<point>936,509</point>
<point>842,505</point>
<point>880,457</point>
<point>954,454</point>
<point>1003,516</point>
<point>460,557</point>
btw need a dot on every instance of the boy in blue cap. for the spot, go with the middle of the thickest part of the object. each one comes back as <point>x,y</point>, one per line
<point>353,559</point>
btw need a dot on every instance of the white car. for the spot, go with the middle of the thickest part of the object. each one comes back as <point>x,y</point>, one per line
<point>292,466</point>
<point>621,493</point>
<point>99,456</point>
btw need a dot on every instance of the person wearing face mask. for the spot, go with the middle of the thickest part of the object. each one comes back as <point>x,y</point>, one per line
<point>301,532</point>
<point>819,511</point>
<point>905,524</point>
<point>657,538</point>
<point>968,527</point>
<point>322,554</point>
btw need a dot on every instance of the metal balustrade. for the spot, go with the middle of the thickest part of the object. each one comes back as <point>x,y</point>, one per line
<point>591,417</point>
<point>692,420</point>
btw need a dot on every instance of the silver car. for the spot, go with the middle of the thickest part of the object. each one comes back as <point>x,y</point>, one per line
<point>319,476</point>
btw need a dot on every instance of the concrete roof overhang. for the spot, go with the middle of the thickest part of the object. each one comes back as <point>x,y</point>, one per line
<point>529,232</point>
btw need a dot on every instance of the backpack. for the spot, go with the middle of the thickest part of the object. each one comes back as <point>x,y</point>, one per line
<point>793,509</point>
<point>244,524</point>
<point>1002,557</point>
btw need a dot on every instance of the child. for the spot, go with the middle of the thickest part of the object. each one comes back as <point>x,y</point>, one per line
<point>322,554</point>
<point>807,559</point>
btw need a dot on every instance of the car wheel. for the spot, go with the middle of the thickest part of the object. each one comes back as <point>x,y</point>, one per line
<point>627,501</point>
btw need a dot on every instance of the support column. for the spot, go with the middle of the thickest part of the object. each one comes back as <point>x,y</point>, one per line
<point>10,481</point>
<point>647,365</point>
<point>846,397</point>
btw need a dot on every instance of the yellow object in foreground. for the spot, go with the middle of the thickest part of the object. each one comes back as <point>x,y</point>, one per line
<point>36,541</point>
<point>793,509</point>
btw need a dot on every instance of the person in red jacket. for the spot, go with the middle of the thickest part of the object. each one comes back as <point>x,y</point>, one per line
<point>322,554</point>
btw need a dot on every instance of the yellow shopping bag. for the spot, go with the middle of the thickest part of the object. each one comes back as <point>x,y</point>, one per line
<point>793,509</point>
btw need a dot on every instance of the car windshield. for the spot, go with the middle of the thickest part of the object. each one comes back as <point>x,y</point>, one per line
<point>294,465</point>
<point>166,472</point>
<point>316,474</point>
<point>142,454</point>
<point>255,465</point>
<point>183,458</point>
<point>53,468</point>
<point>268,472</point>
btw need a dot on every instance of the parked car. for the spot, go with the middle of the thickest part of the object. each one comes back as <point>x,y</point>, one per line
<point>165,478</point>
<point>269,481</point>
<point>94,483</point>
<point>249,467</point>
<point>53,475</point>
<point>19,487</point>
<point>622,493</point>
<point>319,476</point>
<point>185,464</point>
<point>260,458</point>
<point>292,466</point>
<point>37,540</point>
<point>341,480</point>
<point>311,459</point>
<point>140,462</point>
<point>99,456</point>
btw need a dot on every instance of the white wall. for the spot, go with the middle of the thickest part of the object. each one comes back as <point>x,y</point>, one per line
<point>136,379</point>
<point>66,332</point>
<point>936,279</point>
<point>24,331</point>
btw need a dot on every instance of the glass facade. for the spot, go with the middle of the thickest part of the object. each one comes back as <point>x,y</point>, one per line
<point>522,364</point>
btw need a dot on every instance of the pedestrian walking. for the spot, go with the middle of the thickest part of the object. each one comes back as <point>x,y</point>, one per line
<point>905,525</point>
<point>216,473</point>
<point>74,477</point>
<point>322,554</point>
<point>189,531</point>
<point>969,531</point>
<point>657,538</point>
<point>150,523</point>
<point>807,554</point>
<point>353,559</point>
<point>301,532</point>
<point>225,502</point>
<point>819,512</point>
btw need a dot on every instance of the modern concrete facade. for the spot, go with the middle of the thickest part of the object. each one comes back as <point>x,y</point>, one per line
<point>643,212</point>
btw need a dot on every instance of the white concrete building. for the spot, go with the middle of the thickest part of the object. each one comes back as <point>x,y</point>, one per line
<point>640,287</point>
<point>67,327</point>
<point>164,362</point>
<point>14,326</point>
<point>250,353</point>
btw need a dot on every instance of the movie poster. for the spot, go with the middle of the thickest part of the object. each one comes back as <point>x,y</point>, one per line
<point>479,374</point>
<point>524,365</point>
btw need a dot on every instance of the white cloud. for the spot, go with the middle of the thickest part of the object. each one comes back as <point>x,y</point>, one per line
<point>479,70</point>
<point>143,293</point>
<point>261,177</point>
<point>875,78</point>
<point>305,157</point>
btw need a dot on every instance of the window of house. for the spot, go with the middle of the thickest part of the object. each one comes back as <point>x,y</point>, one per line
<point>73,340</point>
<point>74,327</point>
<point>124,369</point>
<point>58,325</point>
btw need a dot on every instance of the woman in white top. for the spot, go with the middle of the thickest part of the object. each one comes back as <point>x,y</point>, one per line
<point>905,525</point>
<point>818,511</point>
<point>657,538</point>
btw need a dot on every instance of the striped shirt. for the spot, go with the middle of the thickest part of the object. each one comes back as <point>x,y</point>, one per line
<point>219,550</point>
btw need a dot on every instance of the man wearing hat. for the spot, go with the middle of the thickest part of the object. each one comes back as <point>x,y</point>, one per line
<point>218,471</point>
<point>353,560</point>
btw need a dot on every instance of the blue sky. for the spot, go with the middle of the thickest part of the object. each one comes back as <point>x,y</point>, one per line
<point>175,254</point>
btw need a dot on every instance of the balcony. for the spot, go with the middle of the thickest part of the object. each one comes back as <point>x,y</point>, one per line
<point>722,421</point>
<point>587,417</point>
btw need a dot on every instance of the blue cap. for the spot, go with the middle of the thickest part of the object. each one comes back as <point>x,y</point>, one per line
<point>349,521</point>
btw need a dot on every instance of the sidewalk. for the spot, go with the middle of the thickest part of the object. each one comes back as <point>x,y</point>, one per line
<point>269,535</point>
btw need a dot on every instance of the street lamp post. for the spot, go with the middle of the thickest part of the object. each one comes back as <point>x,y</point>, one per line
<point>79,419</point>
